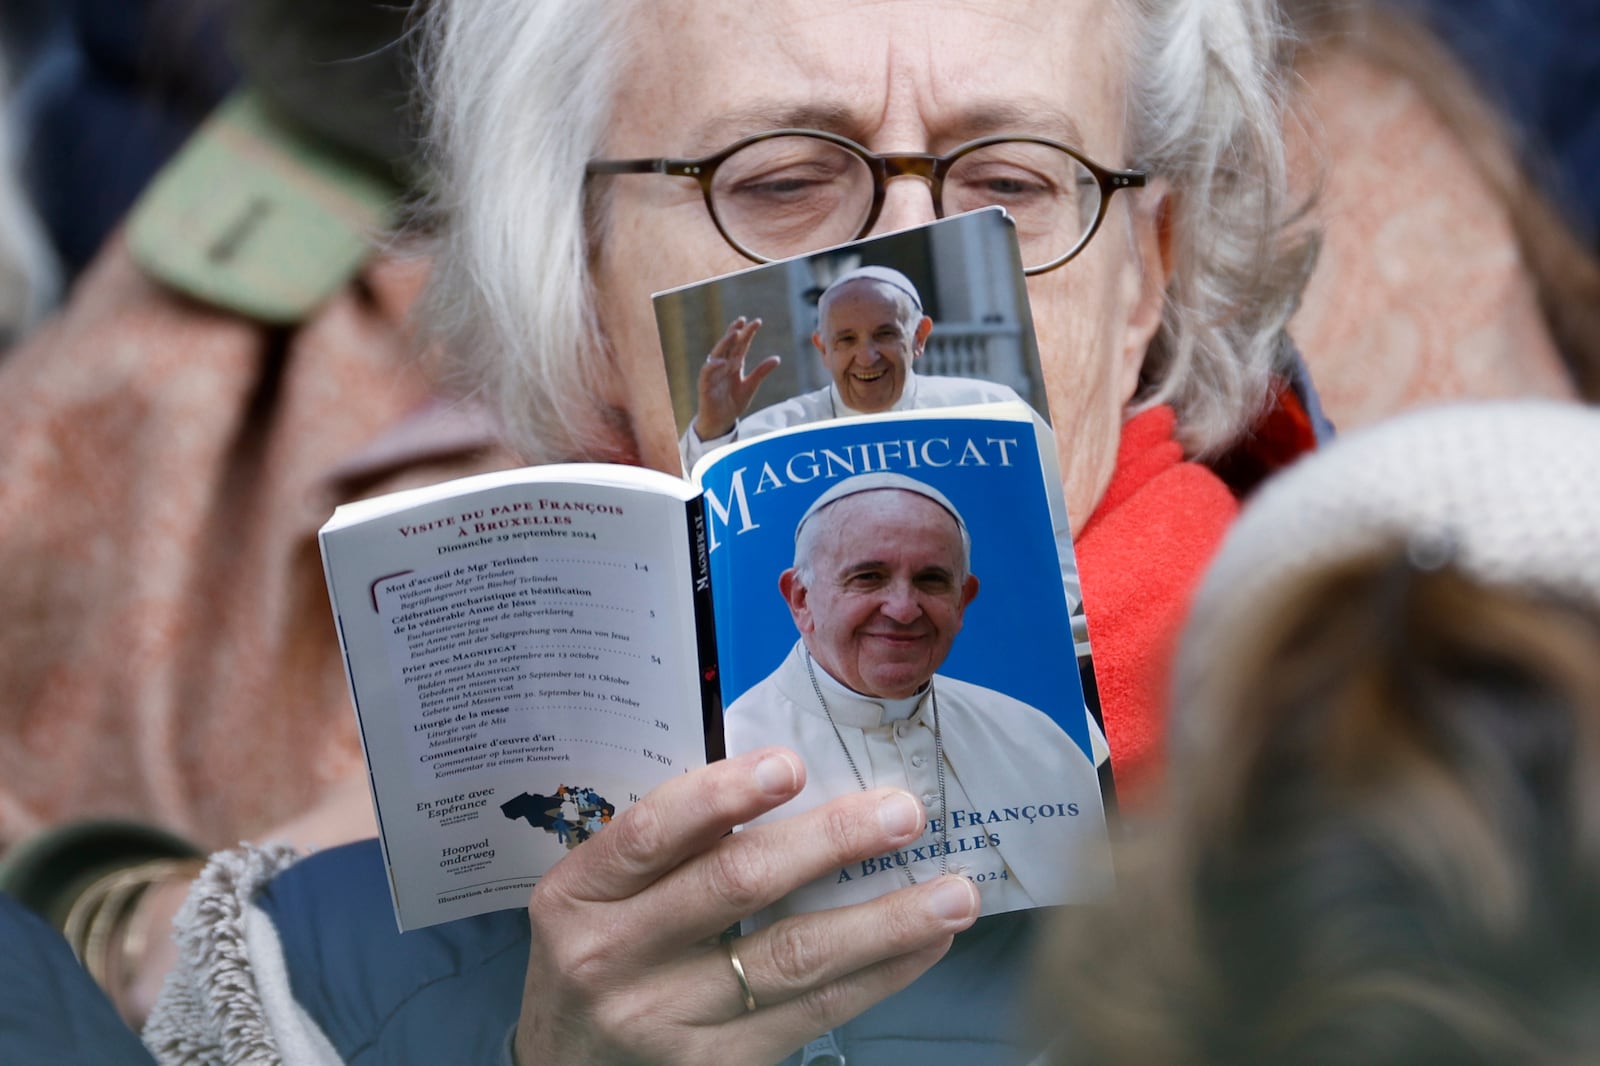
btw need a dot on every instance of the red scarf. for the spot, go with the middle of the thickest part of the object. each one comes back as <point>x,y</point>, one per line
<point>1140,558</point>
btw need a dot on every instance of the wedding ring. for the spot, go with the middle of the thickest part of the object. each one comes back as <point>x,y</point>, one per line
<point>738,971</point>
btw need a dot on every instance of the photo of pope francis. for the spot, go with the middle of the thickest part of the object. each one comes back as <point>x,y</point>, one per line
<point>871,335</point>
<point>879,587</point>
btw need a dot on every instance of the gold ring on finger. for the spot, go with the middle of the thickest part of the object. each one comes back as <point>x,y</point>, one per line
<point>738,971</point>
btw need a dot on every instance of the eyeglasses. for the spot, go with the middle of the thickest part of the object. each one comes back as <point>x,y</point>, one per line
<point>787,192</point>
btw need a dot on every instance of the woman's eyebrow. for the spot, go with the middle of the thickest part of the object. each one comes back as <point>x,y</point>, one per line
<point>723,129</point>
<point>983,119</point>
<point>1006,116</point>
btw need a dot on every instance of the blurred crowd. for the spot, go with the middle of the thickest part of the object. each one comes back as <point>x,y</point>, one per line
<point>1372,834</point>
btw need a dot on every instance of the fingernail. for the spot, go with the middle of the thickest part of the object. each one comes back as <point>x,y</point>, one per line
<point>899,814</point>
<point>776,775</point>
<point>954,898</point>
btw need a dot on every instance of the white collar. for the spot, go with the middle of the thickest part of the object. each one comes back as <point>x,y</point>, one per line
<point>894,710</point>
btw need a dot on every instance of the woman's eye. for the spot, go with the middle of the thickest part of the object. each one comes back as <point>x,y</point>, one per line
<point>780,186</point>
<point>1005,186</point>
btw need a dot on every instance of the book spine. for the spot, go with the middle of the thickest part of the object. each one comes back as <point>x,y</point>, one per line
<point>705,630</point>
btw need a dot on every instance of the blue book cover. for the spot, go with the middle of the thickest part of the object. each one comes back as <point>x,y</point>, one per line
<point>889,602</point>
<point>894,590</point>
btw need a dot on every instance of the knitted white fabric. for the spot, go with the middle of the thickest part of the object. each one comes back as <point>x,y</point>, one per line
<point>228,998</point>
<point>1513,487</point>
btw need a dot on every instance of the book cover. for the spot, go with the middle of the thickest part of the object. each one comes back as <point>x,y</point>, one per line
<point>971,339</point>
<point>888,604</point>
<point>892,594</point>
<point>854,370</point>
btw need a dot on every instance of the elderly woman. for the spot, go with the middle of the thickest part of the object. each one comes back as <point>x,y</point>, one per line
<point>1159,313</point>
<point>571,138</point>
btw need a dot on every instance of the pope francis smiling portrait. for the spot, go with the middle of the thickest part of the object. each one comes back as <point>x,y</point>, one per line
<point>878,591</point>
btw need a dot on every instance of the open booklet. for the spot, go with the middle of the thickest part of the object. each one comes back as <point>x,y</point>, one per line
<point>892,595</point>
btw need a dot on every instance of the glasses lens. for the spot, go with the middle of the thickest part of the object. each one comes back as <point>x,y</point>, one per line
<point>791,194</point>
<point>1053,198</point>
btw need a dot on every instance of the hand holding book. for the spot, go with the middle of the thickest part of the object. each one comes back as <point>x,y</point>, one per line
<point>631,923</point>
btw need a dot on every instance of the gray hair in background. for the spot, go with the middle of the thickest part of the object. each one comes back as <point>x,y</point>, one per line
<point>1208,80</point>
<point>520,100</point>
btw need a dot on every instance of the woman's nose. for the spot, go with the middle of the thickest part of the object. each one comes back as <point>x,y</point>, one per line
<point>907,202</point>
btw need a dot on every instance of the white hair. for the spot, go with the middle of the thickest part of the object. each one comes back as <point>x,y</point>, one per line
<point>519,97</point>
<point>1206,89</point>
<point>520,94</point>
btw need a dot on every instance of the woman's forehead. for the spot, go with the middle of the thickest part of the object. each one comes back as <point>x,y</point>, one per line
<point>909,75</point>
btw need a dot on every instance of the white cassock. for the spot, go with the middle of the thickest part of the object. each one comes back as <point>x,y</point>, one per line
<point>822,404</point>
<point>1024,819</point>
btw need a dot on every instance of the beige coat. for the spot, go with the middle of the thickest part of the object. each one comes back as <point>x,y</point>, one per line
<point>167,653</point>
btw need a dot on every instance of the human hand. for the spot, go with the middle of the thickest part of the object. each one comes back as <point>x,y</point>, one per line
<point>625,964</point>
<point>725,389</point>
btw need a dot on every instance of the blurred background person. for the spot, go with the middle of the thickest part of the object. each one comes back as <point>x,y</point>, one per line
<point>1382,842</point>
<point>1452,266</point>
<point>238,359</point>
<point>1534,60</point>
